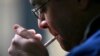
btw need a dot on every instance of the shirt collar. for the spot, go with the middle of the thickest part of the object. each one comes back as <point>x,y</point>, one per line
<point>92,27</point>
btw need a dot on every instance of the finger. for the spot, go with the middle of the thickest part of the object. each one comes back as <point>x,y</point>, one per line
<point>18,29</point>
<point>18,40</point>
<point>38,37</point>
<point>22,31</point>
<point>26,33</point>
<point>32,31</point>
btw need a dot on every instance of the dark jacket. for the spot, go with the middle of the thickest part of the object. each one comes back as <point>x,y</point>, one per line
<point>91,45</point>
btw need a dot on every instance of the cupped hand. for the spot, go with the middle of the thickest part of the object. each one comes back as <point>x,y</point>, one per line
<point>26,43</point>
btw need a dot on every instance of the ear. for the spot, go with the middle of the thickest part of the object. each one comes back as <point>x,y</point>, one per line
<point>83,4</point>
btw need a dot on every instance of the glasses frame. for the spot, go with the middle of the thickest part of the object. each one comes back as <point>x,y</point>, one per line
<point>36,11</point>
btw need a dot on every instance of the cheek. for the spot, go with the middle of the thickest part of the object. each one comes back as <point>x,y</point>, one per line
<point>50,20</point>
<point>51,25</point>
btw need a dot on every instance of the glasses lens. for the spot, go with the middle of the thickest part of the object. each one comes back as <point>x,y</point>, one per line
<point>36,12</point>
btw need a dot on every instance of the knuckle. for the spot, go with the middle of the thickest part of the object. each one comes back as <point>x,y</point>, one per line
<point>10,51</point>
<point>15,43</point>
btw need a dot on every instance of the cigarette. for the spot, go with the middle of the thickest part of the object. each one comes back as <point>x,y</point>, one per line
<point>49,42</point>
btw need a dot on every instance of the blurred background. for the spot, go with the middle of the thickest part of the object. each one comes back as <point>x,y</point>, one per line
<point>19,12</point>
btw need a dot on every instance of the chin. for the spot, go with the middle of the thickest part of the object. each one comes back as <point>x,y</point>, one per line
<point>63,43</point>
<point>67,46</point>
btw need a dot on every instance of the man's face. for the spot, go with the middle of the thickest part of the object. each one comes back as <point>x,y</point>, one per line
<point>62,18</point>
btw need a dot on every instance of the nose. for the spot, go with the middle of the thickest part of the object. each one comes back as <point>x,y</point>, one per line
<point>42,24</point>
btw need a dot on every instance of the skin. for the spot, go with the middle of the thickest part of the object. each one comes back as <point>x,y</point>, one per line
<point>66,20</point>
<point>68,34</point>
<point>26,43</point>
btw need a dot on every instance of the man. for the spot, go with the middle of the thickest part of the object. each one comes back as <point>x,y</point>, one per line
<point>74,23</point>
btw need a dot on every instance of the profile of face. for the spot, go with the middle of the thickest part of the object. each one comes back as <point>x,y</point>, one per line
<point>64,21</point>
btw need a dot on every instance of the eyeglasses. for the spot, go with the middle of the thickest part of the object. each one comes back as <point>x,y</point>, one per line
<point>36,11</point>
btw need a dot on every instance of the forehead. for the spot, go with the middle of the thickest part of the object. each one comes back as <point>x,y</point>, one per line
<point>37,2</point>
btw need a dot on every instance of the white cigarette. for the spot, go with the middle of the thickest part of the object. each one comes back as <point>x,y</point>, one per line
<point>49,42</point>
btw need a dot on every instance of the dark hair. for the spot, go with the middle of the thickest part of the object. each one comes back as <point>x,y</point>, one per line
<point>96,1</point>
<point>37,2</point>
<point>40,2</point>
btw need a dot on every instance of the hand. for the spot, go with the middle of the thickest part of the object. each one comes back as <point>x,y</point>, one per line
<point>26,43</point>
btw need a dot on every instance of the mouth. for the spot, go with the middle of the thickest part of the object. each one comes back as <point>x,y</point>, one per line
<point>53,39</point>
